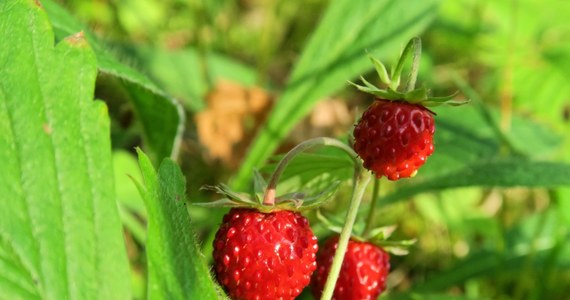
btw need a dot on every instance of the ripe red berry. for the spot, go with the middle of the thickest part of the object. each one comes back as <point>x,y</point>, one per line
<point>362,275</point>
<point>264,255</point>
<point>394,138</point>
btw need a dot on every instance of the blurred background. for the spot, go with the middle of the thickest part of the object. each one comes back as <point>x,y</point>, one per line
<point>234,66</point>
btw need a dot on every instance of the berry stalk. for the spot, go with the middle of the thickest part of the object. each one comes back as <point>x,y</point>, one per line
<point>269,196</point>
<point>361,181</point>
<point>372,209</point>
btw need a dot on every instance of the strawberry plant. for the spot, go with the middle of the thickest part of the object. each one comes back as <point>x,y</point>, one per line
<point>123,124</point>
<point>394,136</point>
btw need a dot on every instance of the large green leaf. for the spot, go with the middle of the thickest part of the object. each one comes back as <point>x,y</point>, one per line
<point>60,235</point>
<point>161,116</point>
<point>176,268</point>
<point>499,172</point>
<point>336,53</point>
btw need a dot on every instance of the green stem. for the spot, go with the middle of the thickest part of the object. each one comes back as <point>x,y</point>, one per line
<point>372,209</point>
<point>361,181</point>
<point>269,196</point>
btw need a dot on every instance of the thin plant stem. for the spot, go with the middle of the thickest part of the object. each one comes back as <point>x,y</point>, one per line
<point>269,196</point>
<point>372,209</point>
<point>361,181</point>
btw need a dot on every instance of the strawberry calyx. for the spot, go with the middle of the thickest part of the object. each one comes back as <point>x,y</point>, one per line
<point>264,197</point>
<point>392,81</point>
<point>295,201</point>
<point>379,236</point>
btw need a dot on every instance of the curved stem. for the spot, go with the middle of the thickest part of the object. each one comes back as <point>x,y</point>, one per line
<point>372,209</point>
<point>269,196</point>
<point>361,181</point>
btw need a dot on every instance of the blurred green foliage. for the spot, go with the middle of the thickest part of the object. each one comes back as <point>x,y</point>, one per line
<point>485,231</point>
<point>509,56</point>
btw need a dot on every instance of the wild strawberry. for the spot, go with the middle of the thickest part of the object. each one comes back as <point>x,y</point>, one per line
<point>362,275</point>
<point>264,255</point>
<point>394,138</point>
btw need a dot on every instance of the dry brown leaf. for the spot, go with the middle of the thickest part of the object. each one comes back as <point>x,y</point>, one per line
<point>330,117</point>
<point>228,123</point>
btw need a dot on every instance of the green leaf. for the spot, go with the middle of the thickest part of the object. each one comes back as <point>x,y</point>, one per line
<point>496,173</point>
<point>464,135</point>
<point>176,268</point>
<point>60,235</point>
<point>541,245</point>
<point>162,118</point>
<point>312,173</point>
<point>335,53</point>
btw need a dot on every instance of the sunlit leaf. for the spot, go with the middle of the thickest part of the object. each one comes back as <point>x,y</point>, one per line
<point>176,268</point>
<point>60,234</point>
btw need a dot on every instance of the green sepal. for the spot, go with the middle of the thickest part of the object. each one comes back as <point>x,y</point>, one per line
<point>381,70</point>
<point>259,186</point>
<point>381,233</point>
<point>233,199</point>
<point>296,201</point>
<point>417,96</point>
<point>398,248</point>
<point>406,54</point>
<point>302,202</point>
<point>420,96</point>
<point>320,198</point>
<point>448,100</point>
<point>383,94</point>
<point>225,202</point>
<point>289,203</point>
<point>368,84</point>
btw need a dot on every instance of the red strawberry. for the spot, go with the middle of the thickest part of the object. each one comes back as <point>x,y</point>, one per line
<point>394,138</point>
<point>362,275</point>
<point>264,255</point>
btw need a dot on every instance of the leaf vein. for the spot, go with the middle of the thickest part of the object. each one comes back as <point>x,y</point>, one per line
<point>23,196</point>
<point>37,73</point>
